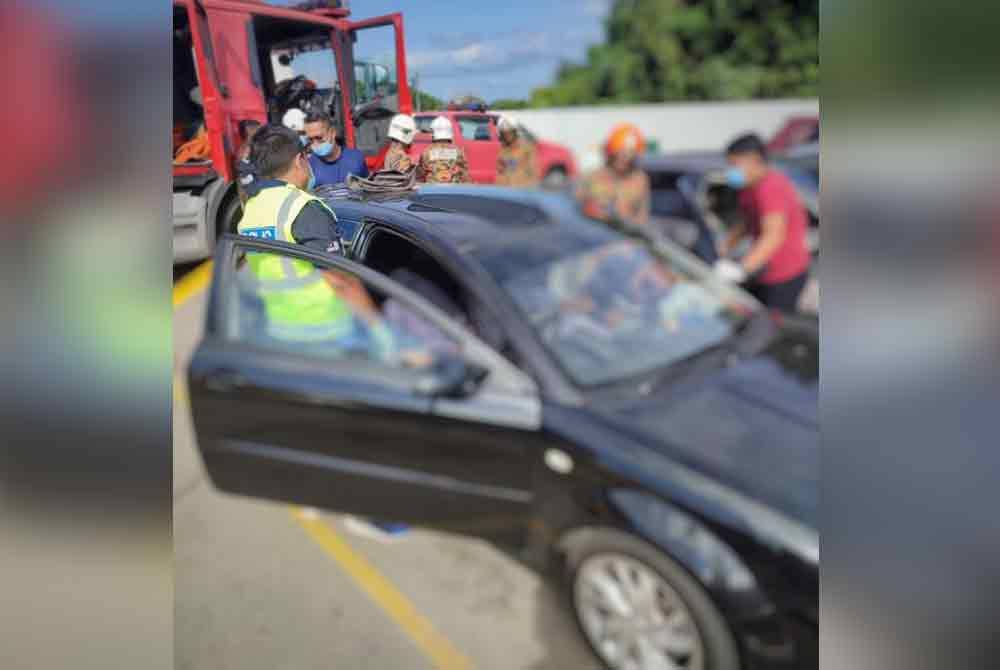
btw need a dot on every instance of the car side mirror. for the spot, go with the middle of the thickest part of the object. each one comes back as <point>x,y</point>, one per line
<point>450,377</point>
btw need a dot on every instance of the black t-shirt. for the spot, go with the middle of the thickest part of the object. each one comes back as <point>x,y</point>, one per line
<point>316,228</point>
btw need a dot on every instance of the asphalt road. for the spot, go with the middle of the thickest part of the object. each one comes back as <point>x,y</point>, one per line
<point>263,586</point>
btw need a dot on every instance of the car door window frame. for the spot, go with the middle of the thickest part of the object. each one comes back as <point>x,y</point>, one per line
<point>373,226</point>
<point>504,377</point>
<point>530,361</point>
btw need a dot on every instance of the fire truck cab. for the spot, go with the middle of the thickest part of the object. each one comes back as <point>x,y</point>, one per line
<point>248,60</point>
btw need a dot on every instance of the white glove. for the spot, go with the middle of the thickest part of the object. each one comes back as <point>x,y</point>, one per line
<point>729,271</point>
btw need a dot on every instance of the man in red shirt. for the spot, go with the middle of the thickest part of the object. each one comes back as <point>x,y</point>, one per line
<point>778,260</point>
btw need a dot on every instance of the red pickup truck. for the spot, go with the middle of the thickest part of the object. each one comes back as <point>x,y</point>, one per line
<point>476,133</point>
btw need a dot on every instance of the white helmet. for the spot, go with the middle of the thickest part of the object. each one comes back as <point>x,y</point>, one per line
<point>506,123</point>
<point>441,129</point>
<point>295,119</point>
<point>402,128</point>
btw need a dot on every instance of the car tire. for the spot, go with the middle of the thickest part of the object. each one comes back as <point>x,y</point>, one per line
<point>554,179</point>
<point>714,647</point>
<point>230,214</point>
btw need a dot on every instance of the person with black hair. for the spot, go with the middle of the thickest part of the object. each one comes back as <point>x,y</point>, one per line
<point>279,206</point>
<point>322,310</point>
<point>777,265</point>
<point>331,163</point>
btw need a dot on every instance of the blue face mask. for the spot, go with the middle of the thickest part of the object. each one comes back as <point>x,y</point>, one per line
<point>323,149</point>
<point>736,177</point>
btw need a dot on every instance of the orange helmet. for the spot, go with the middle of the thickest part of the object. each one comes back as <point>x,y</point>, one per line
<point>624,137</point>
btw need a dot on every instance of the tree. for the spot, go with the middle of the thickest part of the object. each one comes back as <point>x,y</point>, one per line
<point>509,103</point>
<point>425,101</point>
<point>659,50</point>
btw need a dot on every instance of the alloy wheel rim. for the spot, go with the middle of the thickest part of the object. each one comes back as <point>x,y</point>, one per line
<point>633,618</point>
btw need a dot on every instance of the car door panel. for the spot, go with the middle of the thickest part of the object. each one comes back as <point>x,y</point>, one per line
<point>351,435</point>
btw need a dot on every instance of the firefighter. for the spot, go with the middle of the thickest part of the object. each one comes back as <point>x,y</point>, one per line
<point>402,128</point>
<point>442,161</point>
<point>619,191</point>
<point>295,119</point>
<point>516,162</point>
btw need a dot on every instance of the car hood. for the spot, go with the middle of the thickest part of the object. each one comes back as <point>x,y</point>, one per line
<point>752,425</point>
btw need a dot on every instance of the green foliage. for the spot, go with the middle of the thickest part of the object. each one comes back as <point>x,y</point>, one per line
<point>509,103</point>
<point>425,101</point>
<point>660,50</point>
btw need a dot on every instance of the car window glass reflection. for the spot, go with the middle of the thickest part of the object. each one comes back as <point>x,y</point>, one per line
<point>474,128</point>
<point>616,311</point>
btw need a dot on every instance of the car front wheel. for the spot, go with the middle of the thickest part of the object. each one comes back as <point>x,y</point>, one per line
<point>229,214</point>
<point>640,610</point>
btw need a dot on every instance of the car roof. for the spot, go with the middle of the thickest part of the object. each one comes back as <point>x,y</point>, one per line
<point>474,219</point>
<point>692,161</point>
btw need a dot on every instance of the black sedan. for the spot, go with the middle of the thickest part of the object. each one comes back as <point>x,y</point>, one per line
<point>494,364</point>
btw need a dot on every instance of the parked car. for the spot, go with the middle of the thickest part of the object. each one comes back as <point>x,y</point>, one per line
<point>691,203</point>
<point>476,132</point>
<point>601,405</point>
<point>796,130</point>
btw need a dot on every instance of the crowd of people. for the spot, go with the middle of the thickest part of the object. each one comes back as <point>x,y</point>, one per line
<point>774,265</point>
<point>774,269</point>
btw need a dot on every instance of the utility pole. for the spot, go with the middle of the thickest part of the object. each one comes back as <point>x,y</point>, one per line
<point>416,88</point>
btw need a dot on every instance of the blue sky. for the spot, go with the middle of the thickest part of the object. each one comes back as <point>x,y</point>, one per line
<point>494,49</point>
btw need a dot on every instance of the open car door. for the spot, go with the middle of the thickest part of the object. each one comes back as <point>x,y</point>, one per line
<point>375,77</point>
<point>367,399</point>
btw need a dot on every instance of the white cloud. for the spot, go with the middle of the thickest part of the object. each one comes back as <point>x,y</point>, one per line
<point>598,8</point>
<point>470,54</point>
<point>508,51</point>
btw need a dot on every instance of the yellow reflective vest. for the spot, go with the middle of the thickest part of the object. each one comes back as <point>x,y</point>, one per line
<point>298,302</point>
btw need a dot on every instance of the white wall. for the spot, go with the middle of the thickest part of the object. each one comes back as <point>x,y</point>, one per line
<point>681,126</point>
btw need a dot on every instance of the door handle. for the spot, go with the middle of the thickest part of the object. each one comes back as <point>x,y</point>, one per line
<point>224,380</point>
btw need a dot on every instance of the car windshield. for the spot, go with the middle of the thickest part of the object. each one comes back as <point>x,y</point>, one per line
<point>612,310</point>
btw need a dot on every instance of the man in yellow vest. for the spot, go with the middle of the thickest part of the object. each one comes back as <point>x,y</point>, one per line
<point>319,309</point>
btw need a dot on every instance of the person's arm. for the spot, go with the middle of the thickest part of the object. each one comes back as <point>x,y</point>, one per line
<point>588,204</point>
<point>640,214</point>
<point>772,236</point>
<point>422,168</point>
<point>463,168</point>
<point>501,169</point>
<point>733,238</point>
<point>531,169</point>
<point>316,227</point>
<point>363,168</point>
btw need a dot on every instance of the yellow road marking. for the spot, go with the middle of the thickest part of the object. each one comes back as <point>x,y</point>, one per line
<point>435,646</point>
<point>192,283</point>
<point>180,388</point>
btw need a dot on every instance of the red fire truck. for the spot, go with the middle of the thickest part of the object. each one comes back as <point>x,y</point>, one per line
<point>243,60</point>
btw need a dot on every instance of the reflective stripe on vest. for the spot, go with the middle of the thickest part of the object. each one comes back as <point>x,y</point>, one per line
<point>300,305</point>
